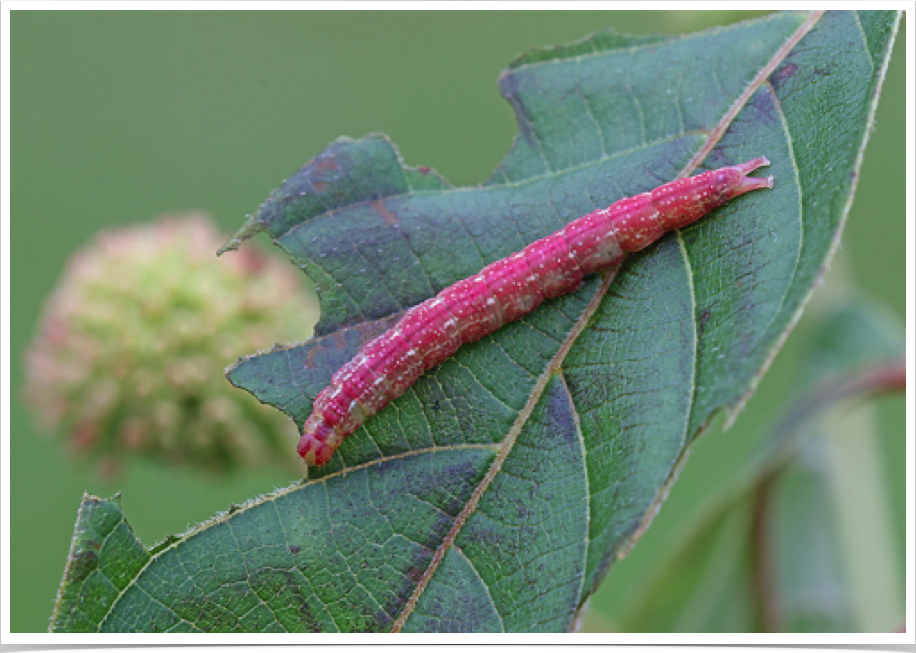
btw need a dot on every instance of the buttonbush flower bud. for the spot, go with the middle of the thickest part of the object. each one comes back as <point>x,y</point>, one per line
<point>131,347</point>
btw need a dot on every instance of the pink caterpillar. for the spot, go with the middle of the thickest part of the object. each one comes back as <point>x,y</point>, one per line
<point>504,291</point>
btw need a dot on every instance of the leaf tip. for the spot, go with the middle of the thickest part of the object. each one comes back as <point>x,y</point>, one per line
<point>253,226</point>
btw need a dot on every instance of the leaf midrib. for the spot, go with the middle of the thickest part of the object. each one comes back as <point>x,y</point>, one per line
<point>554,366</point>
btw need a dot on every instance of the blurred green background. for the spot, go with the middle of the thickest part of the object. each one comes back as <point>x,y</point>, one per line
<point>121,116</point>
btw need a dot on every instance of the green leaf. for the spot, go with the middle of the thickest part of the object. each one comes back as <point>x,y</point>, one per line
<point>771,553</point>
<point>104,560</point>
<point>498,490</point>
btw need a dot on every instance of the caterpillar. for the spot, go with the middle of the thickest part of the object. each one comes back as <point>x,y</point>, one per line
<point>504,291</point>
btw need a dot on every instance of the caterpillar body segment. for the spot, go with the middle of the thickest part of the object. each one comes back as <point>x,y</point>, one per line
<point>504,291</point>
